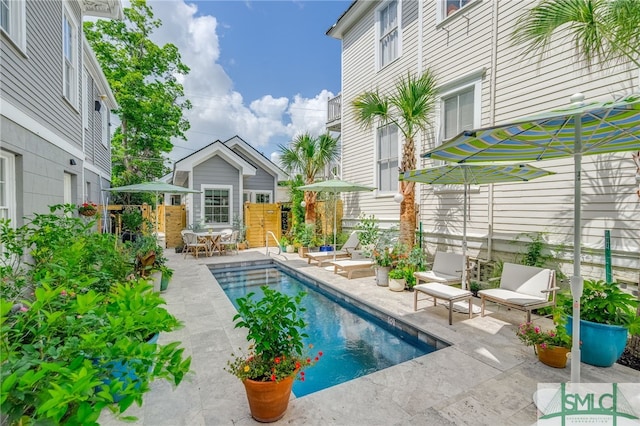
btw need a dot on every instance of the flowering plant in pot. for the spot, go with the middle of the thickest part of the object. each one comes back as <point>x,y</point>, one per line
<point>88,209</point>
<point>551,346</point>
<point>277,351</point>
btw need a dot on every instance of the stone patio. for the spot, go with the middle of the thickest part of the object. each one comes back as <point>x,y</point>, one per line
<point>486,376</point>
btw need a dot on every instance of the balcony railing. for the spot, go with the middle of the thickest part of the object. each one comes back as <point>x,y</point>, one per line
<point>334,109</point>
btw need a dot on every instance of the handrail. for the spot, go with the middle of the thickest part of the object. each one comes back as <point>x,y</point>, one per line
<point>273,236</point>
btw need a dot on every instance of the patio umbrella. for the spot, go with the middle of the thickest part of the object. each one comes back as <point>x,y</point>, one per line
<point>472,174</point>
<point>335,186</point>
<point>580,129</point>
<point>155,187</point>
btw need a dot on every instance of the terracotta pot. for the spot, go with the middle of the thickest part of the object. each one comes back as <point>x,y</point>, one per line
<point>268,401</point>
<point>553,356</point>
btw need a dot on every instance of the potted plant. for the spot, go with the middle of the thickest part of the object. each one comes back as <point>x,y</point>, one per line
<point>384,259</point>
<point>167,273</point>
<point>305,237</point>
<point>84,338</point>
<point>551,346</point>
<point>132,220</point>
<point>397,279</point>
<point>275,329</point>
<point>88,209</point>
<point>607,316</point>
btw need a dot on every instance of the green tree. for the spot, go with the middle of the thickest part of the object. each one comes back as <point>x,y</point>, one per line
<point>410,107</point>
<point>603,31</point>
<point>144,78</point>
<point>308,156</point>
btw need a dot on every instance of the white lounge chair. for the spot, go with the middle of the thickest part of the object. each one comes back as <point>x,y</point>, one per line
<point>350,266</point>
<point>523,287</point>
<point>447,269</point>
<point>346,250</point>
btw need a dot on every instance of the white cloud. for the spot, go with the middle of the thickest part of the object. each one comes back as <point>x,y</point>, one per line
<point>218,111</point>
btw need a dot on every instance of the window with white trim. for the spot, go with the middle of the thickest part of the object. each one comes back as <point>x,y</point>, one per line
<point>86,88</point>
<point>388,20</point>
<point>458,112</point>
<point>452,6</point>
<point>13,21</point>
<point>262,197</point>
<point>7,186</point>
<point>69,58</point>
<point>216,205</point>
<point>388,161</point>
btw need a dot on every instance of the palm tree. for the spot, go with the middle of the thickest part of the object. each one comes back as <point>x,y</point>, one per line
<point>409,107</point>
<point>308,156</point>
<point>601,30</point>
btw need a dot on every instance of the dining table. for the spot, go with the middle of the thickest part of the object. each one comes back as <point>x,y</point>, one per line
<point>212,239</point>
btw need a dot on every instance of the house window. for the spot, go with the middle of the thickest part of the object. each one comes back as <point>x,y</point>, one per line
<point>263,197</point>
<point>13,21</point>
<point>217,205</point>
<point>7,186</point>
<point>452,6</point>
<point>458,112</point>
<point>388,24</point>
<point>388,158</point>
<point>69,58</point>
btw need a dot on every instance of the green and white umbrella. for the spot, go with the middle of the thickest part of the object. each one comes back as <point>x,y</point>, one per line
<point>335,186</point>
<point>155,187</point>
<point>472,174</point>
<point>580,129</point>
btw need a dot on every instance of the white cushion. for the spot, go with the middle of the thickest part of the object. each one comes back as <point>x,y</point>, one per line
<point>512,297</point>
<point>437,277</point>
<point>441,291</point>
<point>529,280</point>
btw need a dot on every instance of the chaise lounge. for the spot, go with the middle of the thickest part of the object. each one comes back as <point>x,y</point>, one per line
<point>523,287</point>
<point>346,251</point>
<point>350,266</point>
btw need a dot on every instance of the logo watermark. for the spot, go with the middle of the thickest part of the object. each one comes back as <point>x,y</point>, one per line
<point>616,404</point>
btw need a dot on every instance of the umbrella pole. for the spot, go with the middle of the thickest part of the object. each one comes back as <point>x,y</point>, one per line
<point>576,279</point>
<point>335,213</point>
<point>464,235</point>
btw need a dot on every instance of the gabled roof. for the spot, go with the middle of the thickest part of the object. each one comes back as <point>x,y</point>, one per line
<point>257,157</point>
<point>184,166</point>
<point>348,18</point>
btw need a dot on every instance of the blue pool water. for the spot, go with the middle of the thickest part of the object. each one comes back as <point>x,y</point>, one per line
<point>353,342</point>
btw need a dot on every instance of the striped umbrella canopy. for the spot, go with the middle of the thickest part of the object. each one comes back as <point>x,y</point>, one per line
<point>580,129</point>
<point>472,174</point>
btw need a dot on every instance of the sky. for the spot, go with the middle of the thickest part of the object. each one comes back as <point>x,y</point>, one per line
<point>262,70</point>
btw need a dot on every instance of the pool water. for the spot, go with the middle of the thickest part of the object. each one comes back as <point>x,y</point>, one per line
<point>353,342</point>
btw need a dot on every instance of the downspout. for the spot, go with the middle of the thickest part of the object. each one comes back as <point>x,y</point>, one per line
<point>492,119</point>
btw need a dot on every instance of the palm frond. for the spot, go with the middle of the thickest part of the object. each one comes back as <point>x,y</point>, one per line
<point>371,105</point>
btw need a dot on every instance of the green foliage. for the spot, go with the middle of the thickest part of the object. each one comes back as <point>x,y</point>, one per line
<point>532,335</point>
<point>276,331</point>
<point>238,225</point>
<point>603,32</point>
<point>145,79</point>
<point>58,349</point>
<point>305,234</point>
<point>538,254</point>
<point>604,304</point>
<point>369,229</point>
<point>64,250</point>
<point>132,219</point>
<point>297,197</point>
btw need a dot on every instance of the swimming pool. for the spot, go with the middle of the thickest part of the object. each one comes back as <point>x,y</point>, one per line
<point>354,342</point>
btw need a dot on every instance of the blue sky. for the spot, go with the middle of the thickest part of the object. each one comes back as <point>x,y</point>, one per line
<point>260,69</point>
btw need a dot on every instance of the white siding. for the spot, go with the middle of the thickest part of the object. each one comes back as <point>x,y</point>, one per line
<point>466,43</point>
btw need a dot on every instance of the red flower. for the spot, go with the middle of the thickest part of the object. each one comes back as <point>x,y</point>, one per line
<point>320,353</point>
<point>317,359</point>
<point>273,377</point>
<point>277,360</point>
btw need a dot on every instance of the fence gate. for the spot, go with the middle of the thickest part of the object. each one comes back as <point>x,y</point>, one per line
<point>173,219</point>
<point>260,218</point>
